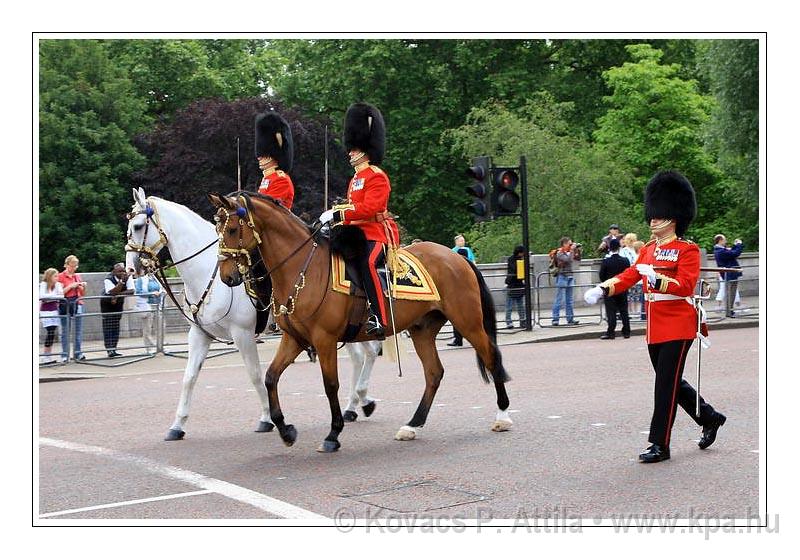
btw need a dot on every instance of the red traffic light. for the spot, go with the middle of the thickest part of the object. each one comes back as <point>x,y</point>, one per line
<point>506,179</point>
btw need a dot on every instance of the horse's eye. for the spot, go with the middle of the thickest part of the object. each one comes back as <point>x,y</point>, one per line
<point>138,227</point>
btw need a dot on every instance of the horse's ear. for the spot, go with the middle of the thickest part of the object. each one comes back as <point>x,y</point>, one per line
<point>142,197</point>
<point>217,200</point>
<point>138,197</point>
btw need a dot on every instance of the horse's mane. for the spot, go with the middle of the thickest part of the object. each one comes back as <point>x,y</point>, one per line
<point>194,215</point>
<point>276,202</point>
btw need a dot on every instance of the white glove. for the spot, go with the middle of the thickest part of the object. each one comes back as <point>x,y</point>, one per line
<point>326,216</point>
<point>593,295</point>
<point>648,271</point>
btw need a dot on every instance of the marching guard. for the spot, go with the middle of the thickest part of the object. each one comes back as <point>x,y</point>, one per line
<point>367,204</point>
<point>275,154</point>
<point>669,267</point>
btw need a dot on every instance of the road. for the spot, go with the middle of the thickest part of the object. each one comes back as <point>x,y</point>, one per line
<point>579,408</point>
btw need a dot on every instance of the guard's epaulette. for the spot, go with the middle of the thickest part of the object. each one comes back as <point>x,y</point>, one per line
<point>686,241</point>
<point>280,173</point>
<point>376,169</point>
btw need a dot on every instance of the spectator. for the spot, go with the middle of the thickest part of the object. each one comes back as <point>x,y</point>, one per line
<point>567,254</point>
<point>116,285</point>
<point>726,258</point>
<point>618,303</point>
<point>71,307</point>
<point>626,249</point>
<point>458,340</point>
<point>515,290</point>
<point>51,293</point>
<point>149,293</point>
<point>461,244</point>
<point>613,233</point>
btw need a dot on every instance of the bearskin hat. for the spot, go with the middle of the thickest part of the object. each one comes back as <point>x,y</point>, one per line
<point>365,130</point>
<point>670,195</point>
<point>274,139</point>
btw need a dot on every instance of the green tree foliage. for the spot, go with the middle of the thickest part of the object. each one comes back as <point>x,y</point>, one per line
<point>655,121</point>
<point>731,67</point>
<point>88,112</point>
<point>574,188</point>
<point>170,74</point>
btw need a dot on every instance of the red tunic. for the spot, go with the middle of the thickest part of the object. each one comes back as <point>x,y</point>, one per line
<point>677,265</point>
<point>368,196</point>
<point>278,185</point>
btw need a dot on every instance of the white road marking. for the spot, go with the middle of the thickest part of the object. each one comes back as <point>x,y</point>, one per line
<point>172,382</point>
<point>476,407</point>
<point>512,411</point>
<point>647,433</point>
<point>230,388</point>
<point>154,381</point>
<point>251,390</point>
<point>554,417</point>
<point>129,502</point>
<point>211,386</point>
<point>227,489</point>
<point>754,451</point>
<point>598,424</point>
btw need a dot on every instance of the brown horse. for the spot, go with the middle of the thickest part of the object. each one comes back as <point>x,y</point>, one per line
<point>309,312</point>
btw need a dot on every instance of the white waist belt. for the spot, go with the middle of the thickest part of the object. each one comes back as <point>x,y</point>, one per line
<point>650,296</point>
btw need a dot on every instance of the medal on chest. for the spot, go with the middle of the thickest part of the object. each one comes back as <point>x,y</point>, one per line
<point>668,255</point>
<point>264,183</point>
<point>358,184</point>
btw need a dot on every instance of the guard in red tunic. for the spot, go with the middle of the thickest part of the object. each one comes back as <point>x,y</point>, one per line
<point>275,154</point>
<point>669,268</point>
<point>367,204</point>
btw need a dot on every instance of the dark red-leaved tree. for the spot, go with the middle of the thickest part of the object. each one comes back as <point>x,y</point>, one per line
<point>195,153</point>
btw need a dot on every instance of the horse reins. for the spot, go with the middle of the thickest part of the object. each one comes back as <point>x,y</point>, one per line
<point>153,264</point>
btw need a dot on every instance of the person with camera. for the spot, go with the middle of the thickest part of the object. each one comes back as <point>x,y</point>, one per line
<point>568,253</point>
<point>726,257</point>
<point>116,285</point>
<point>72,306</point>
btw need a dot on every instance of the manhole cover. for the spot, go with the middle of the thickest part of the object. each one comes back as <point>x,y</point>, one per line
<point>419,496</point>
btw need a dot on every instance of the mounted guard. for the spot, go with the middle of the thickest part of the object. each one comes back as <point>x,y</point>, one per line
<point>275,155</point>
<point>363,226</point>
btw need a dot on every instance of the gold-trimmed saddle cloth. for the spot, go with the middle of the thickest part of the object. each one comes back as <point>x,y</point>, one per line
<point>411,280</point>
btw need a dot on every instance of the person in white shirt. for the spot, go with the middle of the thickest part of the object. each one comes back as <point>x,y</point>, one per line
<point>51,292</point>
<point>148,296</point>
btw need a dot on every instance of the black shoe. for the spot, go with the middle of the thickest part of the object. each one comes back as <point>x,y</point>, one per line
<point>573,322</point>
<point>374,327</point>
<point>80,358</point>
<point>654,454</point>
<point>626,335</point>
<point>607,337</point>
<point>455,343</point>
<point>710,431</point>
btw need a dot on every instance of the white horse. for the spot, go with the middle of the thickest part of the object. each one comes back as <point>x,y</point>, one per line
<point>221,312</point>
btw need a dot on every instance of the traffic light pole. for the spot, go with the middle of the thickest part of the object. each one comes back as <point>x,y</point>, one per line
<point>523,171</point>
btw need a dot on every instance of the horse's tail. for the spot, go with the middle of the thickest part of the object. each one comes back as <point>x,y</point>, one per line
<point>490,326</point>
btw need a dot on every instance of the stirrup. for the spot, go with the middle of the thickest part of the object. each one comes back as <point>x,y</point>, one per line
<point>373,326</point>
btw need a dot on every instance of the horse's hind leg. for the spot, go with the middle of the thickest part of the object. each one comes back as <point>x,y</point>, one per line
<point>357,352</point>
<point>489,358</point>
<point>424,337</point>
<point>247,348</point>
<point>371,354</point>
<point>287,352</point>
<point>198,350</point>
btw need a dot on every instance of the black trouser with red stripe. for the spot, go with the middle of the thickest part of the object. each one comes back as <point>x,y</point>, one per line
<point>369,264</point>
<point>671,390</point>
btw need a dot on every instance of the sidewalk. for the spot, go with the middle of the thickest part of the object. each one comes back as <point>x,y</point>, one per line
<point>225,355</point>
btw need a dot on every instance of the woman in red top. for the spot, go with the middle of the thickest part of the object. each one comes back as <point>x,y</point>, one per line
<point>671,316</point>
<point>275,154</point>
<point>72,307</point>
<point>367,205</point>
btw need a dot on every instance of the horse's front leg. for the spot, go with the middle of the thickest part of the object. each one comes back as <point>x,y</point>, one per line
<point>330,378</point>
<point>198,350</point>
<point>287,352</point>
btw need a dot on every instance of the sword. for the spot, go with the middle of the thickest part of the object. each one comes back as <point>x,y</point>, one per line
<point>698,306</point>
<point>238,168</point>
<point>391,313</point>
<point>326,168</point>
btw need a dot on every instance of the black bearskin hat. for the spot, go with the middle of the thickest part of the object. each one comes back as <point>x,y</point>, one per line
<point>365,130</point>
<point>670,195</point>
<point>274,139</point>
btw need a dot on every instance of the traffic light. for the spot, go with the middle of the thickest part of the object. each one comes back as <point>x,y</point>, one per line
<point>480,173</point>
<point>504,200</point>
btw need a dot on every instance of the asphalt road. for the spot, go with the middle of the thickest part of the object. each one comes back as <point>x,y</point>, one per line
<point>579,408</point>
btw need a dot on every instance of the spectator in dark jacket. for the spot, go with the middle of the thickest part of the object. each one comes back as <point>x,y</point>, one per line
<point>515,286</point>
<point>618,303</point>
<point>726,258</point>
<point>465,252</point>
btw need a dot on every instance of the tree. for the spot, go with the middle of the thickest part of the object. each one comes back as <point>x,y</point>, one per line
<point>655,121</point>
<point>574,188</point>
<point>731,67</point>
<point>87,114</point>
<point>195,153</point>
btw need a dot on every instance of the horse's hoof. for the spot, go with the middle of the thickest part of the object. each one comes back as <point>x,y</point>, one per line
<point>406,433</point>
<point>501,425</point>
<point>289,435</point>
<point>349,416</point>
<point>264,426</point>
<point>328,446</point>
<point>174,435</point>
<point>368,408</point>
